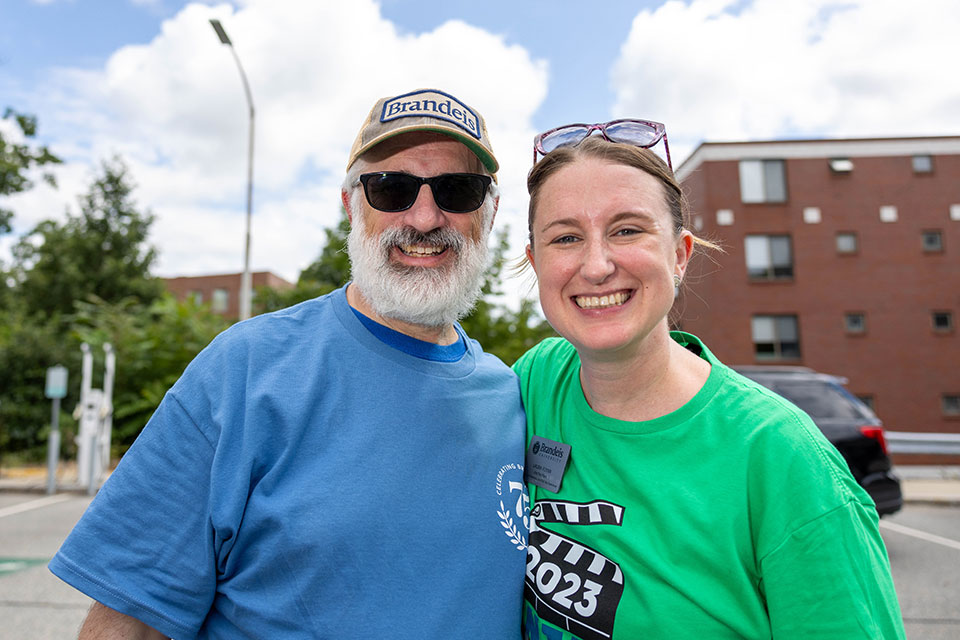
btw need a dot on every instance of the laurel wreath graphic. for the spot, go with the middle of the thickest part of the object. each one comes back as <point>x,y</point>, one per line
<point>511,529</point>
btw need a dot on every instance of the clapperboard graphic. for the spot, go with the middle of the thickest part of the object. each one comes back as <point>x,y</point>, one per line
<point>571,585</point>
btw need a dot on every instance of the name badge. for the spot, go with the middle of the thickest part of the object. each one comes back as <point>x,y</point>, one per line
<point>546,462</point>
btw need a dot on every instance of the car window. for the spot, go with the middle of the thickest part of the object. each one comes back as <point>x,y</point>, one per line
<point>821,399</point>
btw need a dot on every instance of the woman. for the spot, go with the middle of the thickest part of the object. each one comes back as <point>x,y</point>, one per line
<point>694,503</point>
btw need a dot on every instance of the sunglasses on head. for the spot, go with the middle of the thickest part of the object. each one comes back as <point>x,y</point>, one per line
<point>393,191</point>
<point>639,133</point>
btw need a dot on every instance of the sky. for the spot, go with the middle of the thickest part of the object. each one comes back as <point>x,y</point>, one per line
<point>149,81</point>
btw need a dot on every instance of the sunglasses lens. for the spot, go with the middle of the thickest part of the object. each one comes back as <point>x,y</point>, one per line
<point>638,134</point>
<point>563,138</point>
<point>460,192</point>
<point>391,191</point>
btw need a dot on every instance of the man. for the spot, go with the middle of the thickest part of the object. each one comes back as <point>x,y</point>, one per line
<point>350,467</point>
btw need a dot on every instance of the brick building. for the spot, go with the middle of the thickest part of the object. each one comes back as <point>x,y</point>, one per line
<point>221,292</point>
<point>840,255</point>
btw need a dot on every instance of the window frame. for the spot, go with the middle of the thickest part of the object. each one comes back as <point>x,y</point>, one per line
<point>215,302</point>
<point>938,233</point>
<point>945,400</point>
<point>852,331</point>
<point>949,317</point>
<point>777,354</point>
<point>757,181</point>
<point>770,269</point>
<point>923,170</point>
<point>856,243</point>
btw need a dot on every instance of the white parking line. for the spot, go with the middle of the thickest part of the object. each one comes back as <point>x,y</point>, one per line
<point>923,535</point>
<point>33,504</point>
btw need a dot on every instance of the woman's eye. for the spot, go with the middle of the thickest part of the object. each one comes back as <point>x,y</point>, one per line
<point>627,232</point>
<point>565,239</point>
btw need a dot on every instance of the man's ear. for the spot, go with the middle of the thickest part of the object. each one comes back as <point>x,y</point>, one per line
<point>345,197</point>
<point>496,205</point>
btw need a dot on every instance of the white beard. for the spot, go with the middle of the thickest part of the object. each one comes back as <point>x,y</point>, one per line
<point>425,296</point>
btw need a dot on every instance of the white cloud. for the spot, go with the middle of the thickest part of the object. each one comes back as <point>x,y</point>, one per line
<point>734,70</point>
<point>175,110</point>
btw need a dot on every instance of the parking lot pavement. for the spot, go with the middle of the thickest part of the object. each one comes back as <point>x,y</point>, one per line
<point>33,602</point>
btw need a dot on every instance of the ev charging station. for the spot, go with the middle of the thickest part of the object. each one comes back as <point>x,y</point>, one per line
<point>95,414</point>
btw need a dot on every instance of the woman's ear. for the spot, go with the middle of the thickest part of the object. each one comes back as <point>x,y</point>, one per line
<point>684,250</point>
<point>529,252</point>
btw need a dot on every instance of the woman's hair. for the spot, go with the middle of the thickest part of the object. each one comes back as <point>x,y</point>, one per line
<point>617,153</point>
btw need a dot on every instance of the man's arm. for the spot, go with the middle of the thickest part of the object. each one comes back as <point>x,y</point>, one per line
<point>103,623</point>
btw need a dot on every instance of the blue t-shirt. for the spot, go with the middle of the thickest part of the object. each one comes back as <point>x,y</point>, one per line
<point>304,480</point>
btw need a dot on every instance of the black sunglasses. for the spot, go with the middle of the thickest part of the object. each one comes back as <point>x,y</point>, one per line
<point>393,191</point>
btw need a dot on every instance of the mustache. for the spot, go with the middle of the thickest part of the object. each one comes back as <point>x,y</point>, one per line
<point>441,237</point>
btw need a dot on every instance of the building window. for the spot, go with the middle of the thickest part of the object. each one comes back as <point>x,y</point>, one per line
<point>867,400</point>
<point>923,164</point>
<point>955,212</point>
<point>763,181</point>
<point>847,242</point>
<point>951,404</point>
<point>220,300</point>
<point>775,337</point>
<point>841,165</point>
<point>888,213</point>
<point>768,257</point>
<point>855,322</point>
<point>196,297</point>
<point>942,321</point>
<point>724,217</point>
<point>811,215</point>
<point>932,241</point>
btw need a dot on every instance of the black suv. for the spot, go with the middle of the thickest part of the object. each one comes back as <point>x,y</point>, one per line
<point>848,423</point>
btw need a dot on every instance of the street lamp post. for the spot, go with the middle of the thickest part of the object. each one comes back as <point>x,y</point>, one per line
<point>245,281</point>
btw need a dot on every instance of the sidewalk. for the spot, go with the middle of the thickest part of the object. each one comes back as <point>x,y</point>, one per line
<point>930,484</point>
<point>33,478</point>
<point>921,484</point>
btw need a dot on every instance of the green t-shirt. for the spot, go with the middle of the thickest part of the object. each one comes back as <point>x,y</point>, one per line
<point>732,517</point>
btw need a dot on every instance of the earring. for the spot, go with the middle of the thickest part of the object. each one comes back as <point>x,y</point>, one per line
<point>676,285</point>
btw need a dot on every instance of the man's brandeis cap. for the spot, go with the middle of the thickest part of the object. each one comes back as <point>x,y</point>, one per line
<point>425,110</point>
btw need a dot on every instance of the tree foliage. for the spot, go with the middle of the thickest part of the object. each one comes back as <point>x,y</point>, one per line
<point>17,160</point>
<point>102,251</point>
<point>27,348</point>
<point>100,254</point>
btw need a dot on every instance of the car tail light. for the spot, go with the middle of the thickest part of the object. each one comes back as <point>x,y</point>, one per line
<point>875,433</point>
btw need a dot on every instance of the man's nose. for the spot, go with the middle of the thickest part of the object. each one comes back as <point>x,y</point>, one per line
<point>425,215</point>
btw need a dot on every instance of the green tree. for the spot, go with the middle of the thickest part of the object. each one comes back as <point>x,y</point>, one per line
<point>18,160</point>
<point>102,251</point>
<point>27,348</point>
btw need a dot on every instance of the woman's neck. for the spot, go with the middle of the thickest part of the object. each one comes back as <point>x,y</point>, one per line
<point>658,379</point>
